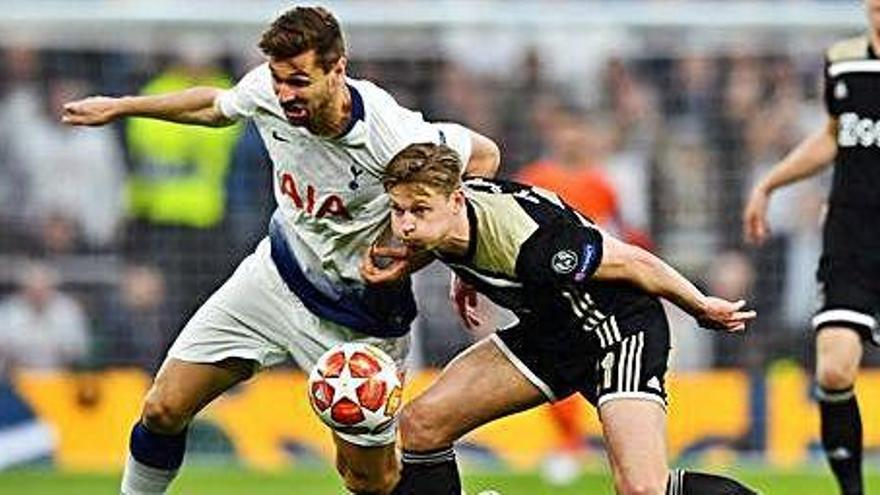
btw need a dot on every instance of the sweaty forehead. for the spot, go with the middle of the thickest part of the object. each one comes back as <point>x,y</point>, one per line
<point>412,193</point>
<point>304,64</point>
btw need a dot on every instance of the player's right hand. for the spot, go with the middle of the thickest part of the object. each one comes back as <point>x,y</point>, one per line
<point>385,264</point>
<point>755,228</point>
<point>93,111</point>
<point>464,298</point>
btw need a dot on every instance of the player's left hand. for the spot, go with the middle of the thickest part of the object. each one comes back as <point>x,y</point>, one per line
<point>721,314</point>
<point>464,298</point>
<point>385,264</point>
<point>755,227</point>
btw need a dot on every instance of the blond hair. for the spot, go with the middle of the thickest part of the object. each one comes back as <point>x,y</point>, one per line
<point>434,165</point>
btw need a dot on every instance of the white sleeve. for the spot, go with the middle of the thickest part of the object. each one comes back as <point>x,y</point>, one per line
<point>457,137</point>
<point>242,100</point>
<point>393,127</point>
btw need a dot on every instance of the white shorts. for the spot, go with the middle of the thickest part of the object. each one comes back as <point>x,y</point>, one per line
<point>254,316</point>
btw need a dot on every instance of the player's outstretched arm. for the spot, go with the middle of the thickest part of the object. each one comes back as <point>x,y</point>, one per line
<point>813,154</point>
<point>485,157</point>
<point>190,106</point>
<point>622,261</point>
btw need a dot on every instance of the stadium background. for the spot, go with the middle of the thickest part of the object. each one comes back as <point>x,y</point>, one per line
<point>665,110</point>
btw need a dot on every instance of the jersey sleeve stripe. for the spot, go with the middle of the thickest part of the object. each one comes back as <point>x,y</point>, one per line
<point>850,66</point>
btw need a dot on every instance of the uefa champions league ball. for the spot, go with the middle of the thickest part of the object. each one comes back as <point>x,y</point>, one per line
<point>355,388</point>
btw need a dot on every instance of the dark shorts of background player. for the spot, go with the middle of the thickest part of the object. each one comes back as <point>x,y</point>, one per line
<point>850,297</point>
<point>567,361</point>
<point>849,271</point>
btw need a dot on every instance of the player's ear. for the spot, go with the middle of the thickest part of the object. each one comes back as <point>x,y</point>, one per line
<point>339,67</point>
<point>456,198</point>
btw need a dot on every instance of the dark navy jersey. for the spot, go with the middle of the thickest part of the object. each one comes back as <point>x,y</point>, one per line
<point>852,96</point>
<point>535,255</point>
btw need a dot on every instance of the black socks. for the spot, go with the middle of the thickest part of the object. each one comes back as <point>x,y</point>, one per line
<point>683,482</point>
<point>429,473</point>
<point>842,437</point>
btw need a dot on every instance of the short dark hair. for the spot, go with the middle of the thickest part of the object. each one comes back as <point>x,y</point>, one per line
<point>428,164</point>
<point>301,29</point>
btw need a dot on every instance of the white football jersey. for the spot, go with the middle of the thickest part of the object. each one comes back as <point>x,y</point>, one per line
<point>331,203</point>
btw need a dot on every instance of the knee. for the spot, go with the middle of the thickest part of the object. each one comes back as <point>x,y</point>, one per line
<point>629,488</point>
<point>421,429</point>
<point>363,482</point>
<point>161,414</point>
<point>631,484</point>
<point>835,375</point>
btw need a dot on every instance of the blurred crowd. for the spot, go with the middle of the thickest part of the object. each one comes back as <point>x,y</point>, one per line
<point>110,237</point>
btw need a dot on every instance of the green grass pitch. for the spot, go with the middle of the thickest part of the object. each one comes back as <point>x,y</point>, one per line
<point>229,481</point>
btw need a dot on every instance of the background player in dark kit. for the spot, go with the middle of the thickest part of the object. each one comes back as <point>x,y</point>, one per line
<point>849,269</point>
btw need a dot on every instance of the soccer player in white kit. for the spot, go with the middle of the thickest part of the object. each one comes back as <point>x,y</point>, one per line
<point>300,292</point>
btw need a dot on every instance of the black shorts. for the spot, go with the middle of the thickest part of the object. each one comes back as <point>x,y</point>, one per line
<point>561,363</point>
<point>849,296</point>
<point>849,271</point>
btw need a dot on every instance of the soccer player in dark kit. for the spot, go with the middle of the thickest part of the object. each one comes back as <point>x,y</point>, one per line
<point>849,268</point>
<point>590,322</point>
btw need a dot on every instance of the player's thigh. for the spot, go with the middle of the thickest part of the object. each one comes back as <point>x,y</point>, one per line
<point>838,354</point>
<point>181,389</point>
<point>253,316</point>
<point>242,327</point>
<point>478,386</point>
<point>366,468</point>
<point>635,439</point>
<point>629,388</point>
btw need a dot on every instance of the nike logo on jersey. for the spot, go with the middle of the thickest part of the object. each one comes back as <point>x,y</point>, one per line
<point>279,137</point>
